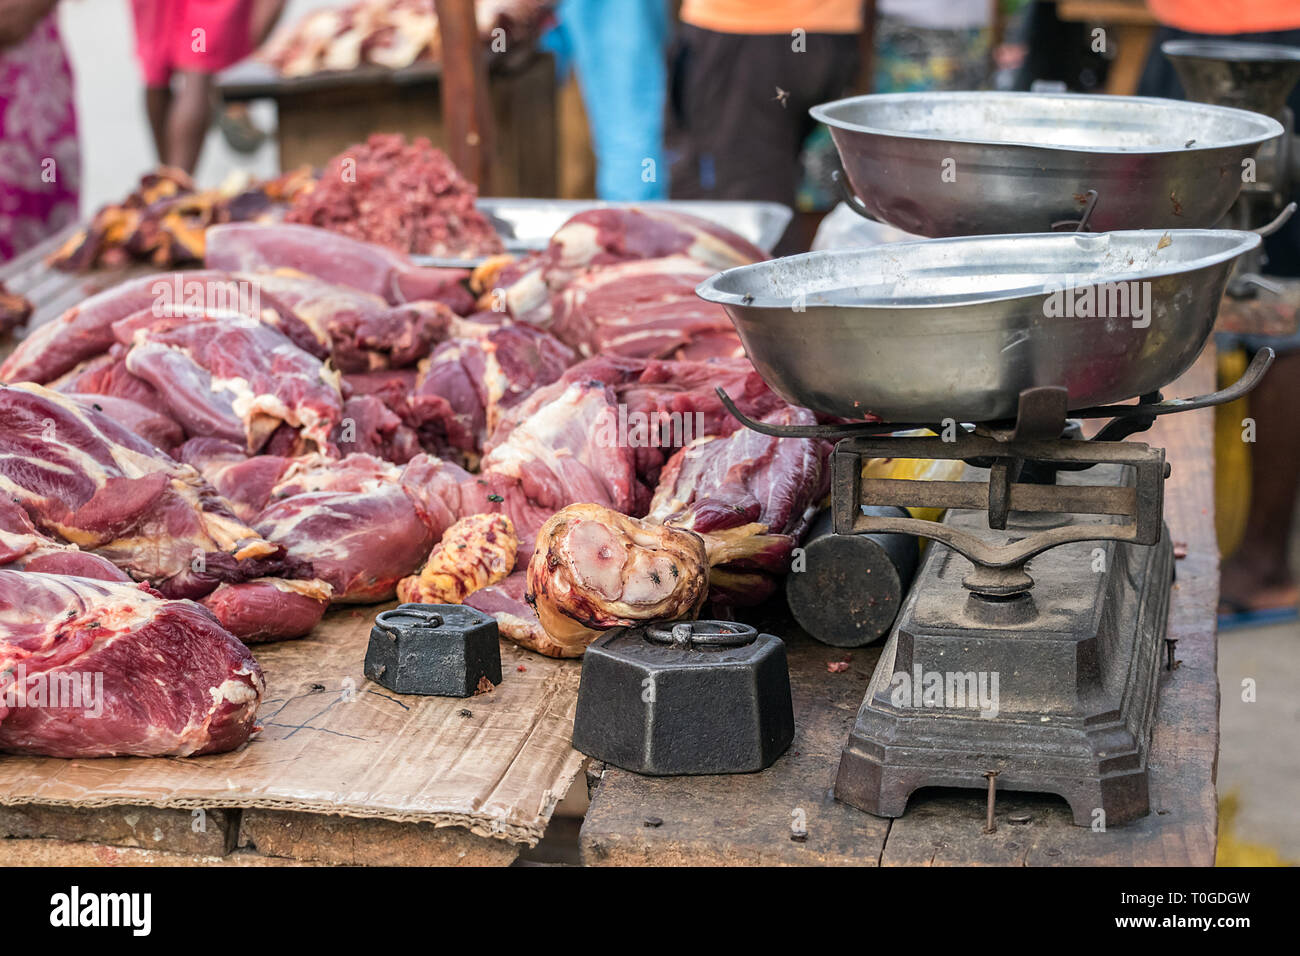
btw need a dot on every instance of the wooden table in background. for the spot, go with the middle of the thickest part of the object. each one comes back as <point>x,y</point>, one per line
<point>745,818</point>
<point>1129,26</point>
<point>323,114</point>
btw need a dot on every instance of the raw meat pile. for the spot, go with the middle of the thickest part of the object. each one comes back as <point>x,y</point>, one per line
<point>314,420</point>
<point>388,33</point>
<point>410,198</point>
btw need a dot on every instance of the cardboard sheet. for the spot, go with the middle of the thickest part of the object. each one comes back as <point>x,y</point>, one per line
<point>334,742</point>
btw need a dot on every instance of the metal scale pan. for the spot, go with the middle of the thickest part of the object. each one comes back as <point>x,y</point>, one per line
<point>958,328</point>
<point>981,163</point>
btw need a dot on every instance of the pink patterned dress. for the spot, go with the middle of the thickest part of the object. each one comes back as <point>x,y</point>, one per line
<point>40,168</point>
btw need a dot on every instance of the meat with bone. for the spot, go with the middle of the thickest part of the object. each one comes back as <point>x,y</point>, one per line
<point>469,382</point>
<point>363,332</point>
<point>97,669</point>
<point>474,553</point>
<point>751,497</point>
<point>595,569</point>
<point>85,479</point>
<point>361,523</point>
<point>85,331</point>
<point>233,378</point>
<point>247,247</point>
<point>601,237</point>
<point>553,458</point>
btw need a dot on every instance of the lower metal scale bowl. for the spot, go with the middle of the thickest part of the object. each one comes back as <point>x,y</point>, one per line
<point>957,328</point>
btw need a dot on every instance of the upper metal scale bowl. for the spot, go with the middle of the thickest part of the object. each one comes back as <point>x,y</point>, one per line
<point>980,163</point>
<point>955,328</point>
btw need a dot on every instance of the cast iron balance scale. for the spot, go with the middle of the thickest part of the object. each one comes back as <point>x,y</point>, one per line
<point>1053,567</point>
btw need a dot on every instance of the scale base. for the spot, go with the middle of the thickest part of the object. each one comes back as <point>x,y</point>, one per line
<point>1064,682</point>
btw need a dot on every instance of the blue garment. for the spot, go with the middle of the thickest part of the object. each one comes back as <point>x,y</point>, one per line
<point>618,48</point>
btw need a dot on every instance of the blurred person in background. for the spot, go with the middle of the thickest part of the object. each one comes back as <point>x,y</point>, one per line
<point>181,46</point>
<point>616,49</point>
<point>39,162</point>
<point>1257,584</point>
<point>742,77</point>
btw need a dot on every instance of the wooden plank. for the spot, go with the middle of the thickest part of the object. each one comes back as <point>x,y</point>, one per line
<point>465,110</point>
<point>351,842</point>
<point>69,853</point>
<point>746,819</point>
<point>211,833</point>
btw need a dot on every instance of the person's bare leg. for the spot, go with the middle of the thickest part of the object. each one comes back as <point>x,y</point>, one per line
<point>188,120</point>
<point>1258,575</point>
<point>157,104</point>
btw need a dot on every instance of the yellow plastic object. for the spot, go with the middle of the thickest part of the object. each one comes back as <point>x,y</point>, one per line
<point>920,469</point>
<point>1231,458</point>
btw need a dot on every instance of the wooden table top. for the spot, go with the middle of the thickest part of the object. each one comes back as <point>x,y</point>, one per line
<point>746,819</point>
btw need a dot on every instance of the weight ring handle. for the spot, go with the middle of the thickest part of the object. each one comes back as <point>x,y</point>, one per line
<point>688,634</point>
<point>384,620</point>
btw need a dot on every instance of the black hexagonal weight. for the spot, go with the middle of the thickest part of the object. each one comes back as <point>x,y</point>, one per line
<point>696,697</point>
<point>438,650</point>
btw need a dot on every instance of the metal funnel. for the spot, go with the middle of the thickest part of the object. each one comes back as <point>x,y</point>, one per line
<point>1251,76</point>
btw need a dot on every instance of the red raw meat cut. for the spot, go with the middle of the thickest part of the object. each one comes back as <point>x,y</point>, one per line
<point>23,548</point>
<point>99,669</point>
<point>233,378</point>
<point>263,247</point>
<point>85,479</point>
<point>246,483</point>
<point>107,375</point>
<point>516,619</point>
<point>364,333</point>
<point>408,197</point>
<point>601,237</point>
<point>361,523</point>
<point>644,308</point>
<point>555,457</point>
<point>597,237</point>
<point>678,397</point>
<point>468,383</point>
<point>269,609</point>
<point>369,427</point>
<point>751,494</point>
<point>151,425</point>
<point>85,331</point>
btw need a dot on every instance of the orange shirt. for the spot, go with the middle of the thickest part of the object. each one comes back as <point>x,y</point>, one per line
<point>1220,16</point>
<point>775,16</point>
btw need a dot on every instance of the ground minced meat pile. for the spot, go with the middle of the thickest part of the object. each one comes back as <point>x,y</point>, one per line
<point>408,197</point>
